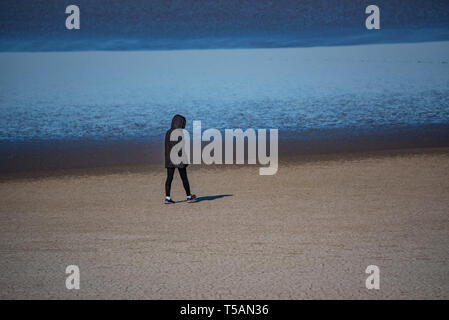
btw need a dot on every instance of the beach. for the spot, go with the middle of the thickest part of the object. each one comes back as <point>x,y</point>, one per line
<point>362,179</point>
<point>307,232</point>
<point>346,101</point>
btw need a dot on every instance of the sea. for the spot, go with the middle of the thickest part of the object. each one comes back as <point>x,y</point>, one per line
<point>310,69</point>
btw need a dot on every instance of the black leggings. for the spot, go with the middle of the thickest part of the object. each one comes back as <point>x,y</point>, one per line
<point>185,181</point>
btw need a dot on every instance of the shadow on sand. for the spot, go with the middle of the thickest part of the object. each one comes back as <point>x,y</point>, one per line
<point>209,198</point>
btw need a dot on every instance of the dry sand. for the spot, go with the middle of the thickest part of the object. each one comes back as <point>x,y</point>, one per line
<point>307,232</point>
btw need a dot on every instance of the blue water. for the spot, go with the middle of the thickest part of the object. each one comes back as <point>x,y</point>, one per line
<point>133,95</point>
<point>39,25</point>
<point>73,91</point>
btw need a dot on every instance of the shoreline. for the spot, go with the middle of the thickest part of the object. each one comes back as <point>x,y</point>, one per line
<point>71,157</point>
<point>285,160</point>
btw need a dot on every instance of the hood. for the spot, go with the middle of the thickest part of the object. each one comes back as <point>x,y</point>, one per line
<point>178,122</point>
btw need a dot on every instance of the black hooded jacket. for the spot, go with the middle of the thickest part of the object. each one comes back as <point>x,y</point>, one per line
<point>178,122</point>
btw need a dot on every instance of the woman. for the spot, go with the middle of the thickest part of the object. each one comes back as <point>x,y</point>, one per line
<point>178,122</point>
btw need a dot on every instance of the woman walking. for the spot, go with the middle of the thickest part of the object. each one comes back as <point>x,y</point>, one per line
<point>178,122</point>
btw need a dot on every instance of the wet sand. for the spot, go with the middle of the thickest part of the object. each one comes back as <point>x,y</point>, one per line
<point>37,158</point>
<point>307,232</point>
